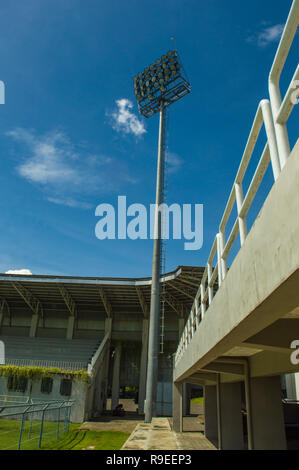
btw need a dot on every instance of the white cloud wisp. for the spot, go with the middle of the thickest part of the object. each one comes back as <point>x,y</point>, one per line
<point>126,121</point>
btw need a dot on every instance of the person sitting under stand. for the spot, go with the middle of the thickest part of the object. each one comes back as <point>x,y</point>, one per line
<point>118,410</point>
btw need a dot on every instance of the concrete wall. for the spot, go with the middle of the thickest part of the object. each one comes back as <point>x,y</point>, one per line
<point>260,286</point>
<point>33,390</point>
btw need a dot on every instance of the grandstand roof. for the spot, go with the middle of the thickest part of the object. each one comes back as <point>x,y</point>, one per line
<point>105,294</point>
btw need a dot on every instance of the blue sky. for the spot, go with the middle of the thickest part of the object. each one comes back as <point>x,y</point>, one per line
<point>70,139</point>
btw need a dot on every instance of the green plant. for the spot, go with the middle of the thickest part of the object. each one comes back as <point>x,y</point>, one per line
<point>17,373</point>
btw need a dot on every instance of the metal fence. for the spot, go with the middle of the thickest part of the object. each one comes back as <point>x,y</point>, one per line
<point>26,423</point>
<point>274,114</point>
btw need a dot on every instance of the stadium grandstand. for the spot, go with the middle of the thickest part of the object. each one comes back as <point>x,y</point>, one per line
<point>96,325</point>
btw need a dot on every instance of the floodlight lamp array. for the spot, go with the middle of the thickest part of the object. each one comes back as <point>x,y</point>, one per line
<point>161,82</point>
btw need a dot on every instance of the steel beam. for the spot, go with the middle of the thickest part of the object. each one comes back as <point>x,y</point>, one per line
<point>191,296</point>
<point>69,301</point>
<point>33,303</point>
<point>72,308</point>
<point>229,368</point>
<point>177,306</point>
<point>142,302</point>
<point>106,302</point>
<point>4,307</point>
<point>153,343</point>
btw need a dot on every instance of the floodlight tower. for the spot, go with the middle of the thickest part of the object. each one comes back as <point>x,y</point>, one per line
<point>157,87</point>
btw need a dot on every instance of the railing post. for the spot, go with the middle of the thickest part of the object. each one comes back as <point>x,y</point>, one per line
<point>202,304</point>
<point>210,289</point>
<point>219,260</point>
<point>242,221</point>
<point>270,132</point>
<point>222,260</point>
<point>196,312</point>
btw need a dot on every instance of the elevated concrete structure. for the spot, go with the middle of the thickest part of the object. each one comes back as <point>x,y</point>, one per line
<point>247,330</point>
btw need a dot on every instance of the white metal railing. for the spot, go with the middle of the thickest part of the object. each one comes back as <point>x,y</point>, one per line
<point>282,108</point>
<point>274,114</point>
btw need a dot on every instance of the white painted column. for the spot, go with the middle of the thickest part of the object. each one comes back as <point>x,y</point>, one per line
<point>267,414</point>
<point>231,416</point>
<point>34,325</point>
<point>70,327</point>
<point>115,379</point>
<point>210,413</point>
<point>143,366</point>
<point>177,407</point>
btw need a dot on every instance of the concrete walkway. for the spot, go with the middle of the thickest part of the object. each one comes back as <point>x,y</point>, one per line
<point>159,436</point>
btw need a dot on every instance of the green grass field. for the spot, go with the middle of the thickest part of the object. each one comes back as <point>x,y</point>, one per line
<point>72,440</point>
<point>197,400</point>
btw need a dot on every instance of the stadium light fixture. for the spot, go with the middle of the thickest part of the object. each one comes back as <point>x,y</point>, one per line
<point>158,86</point>
<point>163,81</point>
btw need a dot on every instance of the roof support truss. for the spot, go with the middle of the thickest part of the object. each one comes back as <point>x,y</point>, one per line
<point>4,308</point>
<point>142,302</point>
<point>177,306</point>
<point>33,303</point>
<point>182,289</point>
<point>106,302</point>
<point>72,308</point>
<point>69,301</point>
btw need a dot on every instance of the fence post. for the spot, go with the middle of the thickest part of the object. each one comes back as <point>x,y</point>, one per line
<point>42,425</point>
<point>21,430</point>
<point>22,426</point>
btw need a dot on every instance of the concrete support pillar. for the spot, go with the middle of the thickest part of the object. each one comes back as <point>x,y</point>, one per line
<point>70,327</point>
<point>186,398</point>
<point>177,407</point>
<point>143,366</point>
<point>296,377</point>
<point>267,414</point>
<point>1,317</point>
<point>34,325</point>
<point>292,389</point>
<point>210,413</point>
<point>108,329</point>
<point>98,389</point>
<point>231,416</point>
<point>115,379</point>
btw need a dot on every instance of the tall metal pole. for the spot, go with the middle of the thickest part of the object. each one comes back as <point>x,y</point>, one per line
<point>153,341</point>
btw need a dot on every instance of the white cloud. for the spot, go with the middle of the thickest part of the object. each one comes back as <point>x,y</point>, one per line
<point>267,36</point>
<point>174,162</point>
<point>66,172</point>
<point>125,121</point>
<point>50,159</point>
<point>24,272</point>
<point>70,202</point>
